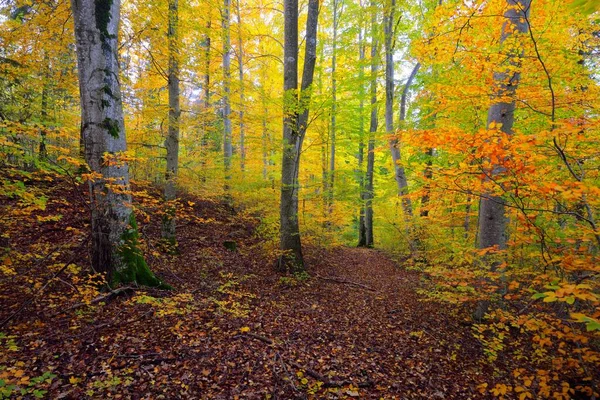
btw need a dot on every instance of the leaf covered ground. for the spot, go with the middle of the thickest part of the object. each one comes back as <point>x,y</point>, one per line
<point>354,327</point>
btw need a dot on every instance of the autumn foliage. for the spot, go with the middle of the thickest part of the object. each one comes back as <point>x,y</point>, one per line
<point>231,326</point>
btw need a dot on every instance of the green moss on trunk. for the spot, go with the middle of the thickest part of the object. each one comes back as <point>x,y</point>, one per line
<point>134,268</point>
<point>102,11</point>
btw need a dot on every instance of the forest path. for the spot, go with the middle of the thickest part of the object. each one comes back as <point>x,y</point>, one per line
<point>387,340</point>
<point>232,327</point>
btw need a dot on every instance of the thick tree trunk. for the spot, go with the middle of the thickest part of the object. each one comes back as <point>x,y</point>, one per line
<point>492,218</point>
<point>289,230</point>
<point>399,173</point>
<point>115,249</point>
<point>240,57</point>
<point>172,141</point>
<point>294,127</point>
<point>227,146</point>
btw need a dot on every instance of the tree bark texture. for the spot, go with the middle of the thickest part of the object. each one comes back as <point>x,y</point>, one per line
<point>227,146</point>
<point>492,218</point>
<point>172,141</point>
<point>114,232</point>
<point>295,122</point>
<point>374,122</point>
<point>240,57</point>
<point>399,172</point>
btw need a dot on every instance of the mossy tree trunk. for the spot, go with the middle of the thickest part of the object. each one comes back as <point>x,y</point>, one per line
<point>114,232</point>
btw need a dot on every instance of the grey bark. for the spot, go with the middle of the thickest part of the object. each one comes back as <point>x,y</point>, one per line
<point>369,195</point>
<point>399,172</point>
<point>493,222</point>
<point>102,129</point>
<point>172,141</point>
<point>294,128</point>
<point>240,57</point>
<point>227,146</point>
<point>492,218</point>
<point>206,101</point>
<point>362,232</point>
<point>265,130</point>
<point>332,126</point>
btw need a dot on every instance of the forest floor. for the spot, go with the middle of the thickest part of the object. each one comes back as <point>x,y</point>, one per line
<point>354,327</point>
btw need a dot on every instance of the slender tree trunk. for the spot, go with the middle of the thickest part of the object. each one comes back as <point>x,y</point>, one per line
<point>369,194</point>
<point>467,223</point>
<point>227,146</point>
<point>294,128</point>
<point>115,249</point>
<point>206,97</point>
<point>332,126</point>
<point>427,175</point>
<point>265,130</point>
<point>172,142</point>
<point>400,174</point>
<point>362,232</point>
<point>240,57</point>
<point>43,151</point>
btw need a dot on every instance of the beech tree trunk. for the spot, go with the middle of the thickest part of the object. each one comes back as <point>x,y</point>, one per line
<point>206,95</point>
<point>115,249</point>
<point>240,57</point>
<point>362,232</point>
<point>492,218</point>
<point>294,128</point>
<point>400,174</point>
<point>372,131</point>
<point>265,130</point>
<point>332,126</point>
<point>172,141</point>
<point>227,147</point>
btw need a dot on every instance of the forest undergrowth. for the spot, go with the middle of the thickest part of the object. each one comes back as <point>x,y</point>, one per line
<point>353,327</point>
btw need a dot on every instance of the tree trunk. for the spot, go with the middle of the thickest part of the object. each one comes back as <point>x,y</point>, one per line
<point>227,147</point>
<point>115,249</point>
<point>492,219</point>
<point>362,232</point>
<point>265,130</point>
<point>206,96</point>
<point>172,142</point>
<point>294,127</point>
<point>240,57</point>
<point>332,126</point>
<point>372,131</point>
<point>400,174</point>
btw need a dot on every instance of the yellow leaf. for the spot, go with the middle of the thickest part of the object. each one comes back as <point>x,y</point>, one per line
<point>245,329</point>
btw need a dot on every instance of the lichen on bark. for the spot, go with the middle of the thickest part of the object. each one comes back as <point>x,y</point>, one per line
<point>102,13</point>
